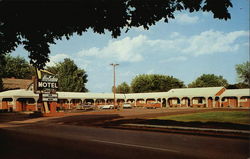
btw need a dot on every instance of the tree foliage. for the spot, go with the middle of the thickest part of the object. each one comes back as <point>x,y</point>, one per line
<point>154,83</point>
<point>2,65</point>
<point>209,80</point>
<point>37,24</point>
<point>237,86</point>
<point>70,77</point>
<point>243,72</point>
<point>16,67</point>
<point>1,84</point>
<point>123,88</point>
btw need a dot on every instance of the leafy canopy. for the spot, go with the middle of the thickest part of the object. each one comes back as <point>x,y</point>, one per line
<point>243,72</point>
<point>37,24</point>
<point>209,80</point>
<point>1,84</point>
<point>123,88</point>
<point>16,67</point>
<point>154,83</point>
<point>70,77</point>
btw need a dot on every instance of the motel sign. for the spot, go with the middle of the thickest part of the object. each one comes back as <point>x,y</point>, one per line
<point>47,85</point>
<point>46,97</point>
<point>47,82</point>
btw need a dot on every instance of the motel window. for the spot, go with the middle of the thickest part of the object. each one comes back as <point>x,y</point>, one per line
<point>178,101</point>
<point>8,100</point>
<point>30,101</point>
<point>245,98</point>
<point>200,100</point>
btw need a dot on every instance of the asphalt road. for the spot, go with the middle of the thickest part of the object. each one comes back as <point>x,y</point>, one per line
<point>42,141</point>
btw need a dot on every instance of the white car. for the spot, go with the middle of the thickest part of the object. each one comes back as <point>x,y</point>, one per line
<point>127,106</point>
<point>107,107</point>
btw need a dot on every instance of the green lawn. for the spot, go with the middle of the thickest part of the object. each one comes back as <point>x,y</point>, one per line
<point>239,117</point>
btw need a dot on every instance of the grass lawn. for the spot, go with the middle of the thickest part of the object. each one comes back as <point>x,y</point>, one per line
<point>238,117</point>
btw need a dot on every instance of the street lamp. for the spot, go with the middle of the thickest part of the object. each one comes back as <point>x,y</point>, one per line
<point>114,88</point>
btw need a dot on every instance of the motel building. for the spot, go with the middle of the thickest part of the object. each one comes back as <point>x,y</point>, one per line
<point>206,97</point>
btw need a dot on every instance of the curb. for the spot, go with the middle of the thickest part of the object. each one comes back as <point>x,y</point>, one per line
<point>191,128</point>
<point>224,133</point>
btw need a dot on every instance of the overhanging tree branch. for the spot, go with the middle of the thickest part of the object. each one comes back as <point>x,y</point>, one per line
<point>38,23</point>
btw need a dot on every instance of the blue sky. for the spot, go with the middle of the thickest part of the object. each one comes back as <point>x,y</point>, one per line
<point>188,46</point>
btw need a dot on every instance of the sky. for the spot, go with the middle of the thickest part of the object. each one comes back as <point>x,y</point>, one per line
<point>188,46</point>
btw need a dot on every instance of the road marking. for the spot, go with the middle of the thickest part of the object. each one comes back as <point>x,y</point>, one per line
<point>138,146</point>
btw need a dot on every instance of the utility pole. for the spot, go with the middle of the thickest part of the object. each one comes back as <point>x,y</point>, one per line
<point>114,88</point>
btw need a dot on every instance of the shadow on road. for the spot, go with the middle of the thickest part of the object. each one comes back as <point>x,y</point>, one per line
<point>85,119</point>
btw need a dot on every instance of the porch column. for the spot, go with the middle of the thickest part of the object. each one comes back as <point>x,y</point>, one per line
<point>167,105</point>
<point>14,103</point>
<point>168,102</point>
<point>206,102</point>
<point>36,103</point>
<point>191,101</point>
<point>238,102</point>
<point>69,102</point>
<point>219,103</point>
<point>1,103</point>
<point>161,102</point>
<point>213,102</point>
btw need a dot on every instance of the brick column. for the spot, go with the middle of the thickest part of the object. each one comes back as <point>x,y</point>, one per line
<point>52,106</point>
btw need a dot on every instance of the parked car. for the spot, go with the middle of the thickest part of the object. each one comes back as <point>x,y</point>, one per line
<point>107,107</point>
<point>127,106</point>
<point>85,107</point>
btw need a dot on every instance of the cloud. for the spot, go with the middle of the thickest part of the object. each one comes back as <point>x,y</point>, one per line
<point>175,59</point>
<point>186,19</point>
<point>127,74</point>
<point>124,50</point>
<point>174,35</point>
<point>246,44</point>
<point>210,42</point>
<point>151,71</point>
<point>136,49</point>
<point>57,58</point>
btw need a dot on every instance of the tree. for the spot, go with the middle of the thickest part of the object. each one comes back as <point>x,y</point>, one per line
<point>1,85</point>
<point>123,88</point>
<point>209,80</point>
<point>37,24</point>
<point>70,77</point>
<point>237,86</point>
<point>16,67</point>
<point>154,83</point>
<point>243,72</point>
<point>2,65</point>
